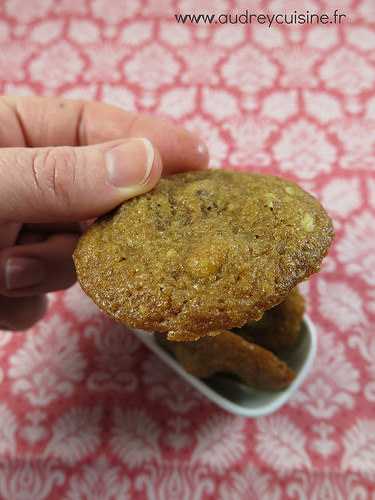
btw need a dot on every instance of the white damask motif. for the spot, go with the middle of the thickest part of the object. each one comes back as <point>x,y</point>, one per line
<point>356,248</point>
<point>326,486</point>
<point>358,143</point>
<point>99,480</point>
<point>158,7</point>
<point>359,448</point>
<point>8,428</point>
<point>143,68</point>
<point>71,7</point>
<point>348,72</point>
<point>18,53</point>
<point>4,31</point>
<point>364,341</point>
<point>29,479</point>
<point>220,443</point>
<point>329,265</point>
<point>366,10</point>
<point>178,103</point>
<point>165,386</point>
<point>250,484</point>
<point>229,35</point>
<point>110,31</point>
<point>370,108</point>
<point>274,39</point>
<point>361,37</point>
<point>114,12</point>
<point>105,58</point>
<point>174,482</point>
<point>249,70</point>
<point>243,4</point>
<point>48,364</point>
<point>86,92</point>
<point>202,67</point>
<point>322,37</point>
<point>304,150</point>
<point>17,89</point>
<point>27,12</point>
<point>75,435</point>
<point>83,31</point>
<point>218,103</point>
<point>333,383</point>
<point>323,106</point>
<point>136,33</point>
<point>292,5</point>
<point>202,6</point>
<point>371,302</point>
<point>175,35</point>
<point>36,429</point>
<point>281,444</point>
<point>147,100</point>
<point>135,438</point>
<point>340,304</point>
<point>46,31</point>
<point>20,30</point>
<point>297,65</point>
<point>79,304</point>
<point>179,434</point>
<point>341,196</point>
<point>280,106</point>
<point>371,191</point>
<point>249,136</point>
<point>370,386</point>
<point>44,68</point>
<point>112,367</point>
<point>119,96</point>
<point>331,4</point>
<point>324,444</point>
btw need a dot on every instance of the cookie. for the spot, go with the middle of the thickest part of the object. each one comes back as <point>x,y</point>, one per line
<point>203,251</point>
<point>279,328</point>
<point>229,353</point>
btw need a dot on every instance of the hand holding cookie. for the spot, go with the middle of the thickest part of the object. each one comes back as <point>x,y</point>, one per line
<point>66,161</point>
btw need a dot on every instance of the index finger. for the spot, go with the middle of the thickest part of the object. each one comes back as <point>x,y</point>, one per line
<point>52,121</point>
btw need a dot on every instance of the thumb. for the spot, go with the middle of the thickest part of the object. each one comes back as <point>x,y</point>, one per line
<point>74,183</point>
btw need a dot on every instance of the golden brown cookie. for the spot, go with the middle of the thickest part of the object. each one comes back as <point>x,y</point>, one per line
<point>279,327</point>
<point>227,352</point>
<point>202,251</point>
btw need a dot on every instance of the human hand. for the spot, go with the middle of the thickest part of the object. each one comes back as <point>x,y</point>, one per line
<point>62,162</point>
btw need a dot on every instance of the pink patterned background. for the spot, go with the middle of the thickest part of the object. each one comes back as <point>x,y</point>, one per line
<point>86,412</point>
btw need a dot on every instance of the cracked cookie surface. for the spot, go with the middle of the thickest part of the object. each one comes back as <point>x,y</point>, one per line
<point>202,251</point>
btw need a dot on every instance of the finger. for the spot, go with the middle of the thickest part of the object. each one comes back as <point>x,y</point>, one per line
<point>38,268</point>
<point>48,228</point>
<point>9,232</point>
<point>12,233</point>
<point>74,183</point>
<point>34,233</point>
<point>22,312</point>
<point>38,122</point>
<point>27,237</point>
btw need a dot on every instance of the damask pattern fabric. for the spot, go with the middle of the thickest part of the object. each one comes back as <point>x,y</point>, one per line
<point>86,412</point>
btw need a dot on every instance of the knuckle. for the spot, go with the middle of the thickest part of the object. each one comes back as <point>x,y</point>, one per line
<point>56,173</point>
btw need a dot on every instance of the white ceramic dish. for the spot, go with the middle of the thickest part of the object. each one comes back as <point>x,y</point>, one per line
<point>236,397</point>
